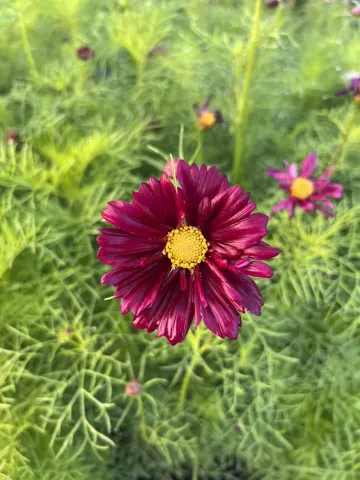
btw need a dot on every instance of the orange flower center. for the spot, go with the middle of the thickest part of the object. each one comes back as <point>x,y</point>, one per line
<point>207,119</point>
<point>186,247</point>
<point>301,188</point>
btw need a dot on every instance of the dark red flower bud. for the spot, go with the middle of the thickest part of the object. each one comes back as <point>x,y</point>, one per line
<point>157,50</point>
<point>85,53</point>
<point>272,3</point>
<point>12,138</point>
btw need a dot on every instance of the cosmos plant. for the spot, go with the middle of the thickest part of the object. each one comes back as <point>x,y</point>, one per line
<point>83,394</point>
<point>187,252</point>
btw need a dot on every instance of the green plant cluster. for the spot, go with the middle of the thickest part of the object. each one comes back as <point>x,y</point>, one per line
<point>280,403</point>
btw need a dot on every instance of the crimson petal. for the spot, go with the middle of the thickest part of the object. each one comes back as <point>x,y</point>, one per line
<point>173,311</point>
<point>138,287</point>
<point>198,183</point>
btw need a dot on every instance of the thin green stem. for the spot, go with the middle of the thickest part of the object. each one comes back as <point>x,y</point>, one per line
<point>198,351</point>
<point>185,383</point>
<point>142,425</point>
<point>195,470</point>
<point>181,142</point>
<point>349,123</point>
<point>25,41</point>
<point>242,98</point>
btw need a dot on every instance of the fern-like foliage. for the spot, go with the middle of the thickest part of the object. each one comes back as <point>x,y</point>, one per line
<point>281,402</point>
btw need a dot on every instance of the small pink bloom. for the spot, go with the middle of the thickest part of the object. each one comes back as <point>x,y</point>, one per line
<point>185,253</point>
<point>355,12</point>
<point>171,167</point>
<point>133,388</point>
<point>304,190</point>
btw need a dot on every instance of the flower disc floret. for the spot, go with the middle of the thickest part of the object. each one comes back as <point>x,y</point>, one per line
<point>207,119</point>
<point>186,247</point>
<point>302,188</point>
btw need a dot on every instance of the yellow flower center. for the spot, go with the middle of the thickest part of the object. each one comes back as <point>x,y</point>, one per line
<point>207,119</point>
<point>186,247</point>
<point>302,188</point>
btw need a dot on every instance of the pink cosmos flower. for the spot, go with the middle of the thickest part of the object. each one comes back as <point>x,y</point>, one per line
<point>304,190</point>
<point>187,252</point>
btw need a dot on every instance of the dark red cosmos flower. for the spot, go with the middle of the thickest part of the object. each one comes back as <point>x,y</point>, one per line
<point>85,53</point>
<point>304,190</point>
<point>186,253</point>
<point>207,118</point>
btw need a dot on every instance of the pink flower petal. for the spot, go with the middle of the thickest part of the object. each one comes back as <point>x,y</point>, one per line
<point>286,204</point>
<point>309,165</point>
<point>282,178</point>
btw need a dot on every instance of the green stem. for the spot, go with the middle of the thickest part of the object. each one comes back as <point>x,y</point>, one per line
<point>197,352</point>
<point>195,470</point>
<point>181,142</point>
<point>25,41</point>
<point>185,384</point>
<point>242,98</point>
<point>349,122</point>
<point>142,425</point>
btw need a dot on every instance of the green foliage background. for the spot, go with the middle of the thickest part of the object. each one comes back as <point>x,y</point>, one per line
<point>280,403</point>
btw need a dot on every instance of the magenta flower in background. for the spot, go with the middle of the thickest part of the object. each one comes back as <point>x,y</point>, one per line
<point>355,12</point>
<point>207,118</point>
<point>185,253</point>
<point>354,86</point>
<point>304,190</point>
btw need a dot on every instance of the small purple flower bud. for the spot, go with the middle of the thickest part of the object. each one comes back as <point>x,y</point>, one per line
<point>85,53</point>
<point>272,3</point>
<point>157,50</point>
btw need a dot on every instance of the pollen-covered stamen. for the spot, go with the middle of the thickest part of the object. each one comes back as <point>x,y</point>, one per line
<point>302,188</point>
<point>207,119</point>
<point>186,247</point>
